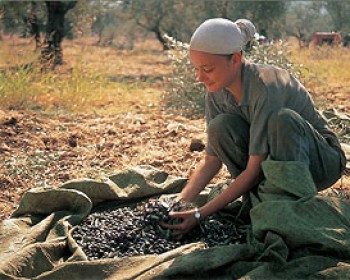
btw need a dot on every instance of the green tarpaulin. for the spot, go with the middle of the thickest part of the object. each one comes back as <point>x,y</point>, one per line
<point>294,232</point>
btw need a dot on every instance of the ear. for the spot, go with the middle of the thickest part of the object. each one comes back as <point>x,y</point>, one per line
<point>236,57</point>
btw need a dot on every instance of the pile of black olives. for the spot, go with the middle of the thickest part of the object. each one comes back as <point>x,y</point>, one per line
<point>135,231</point>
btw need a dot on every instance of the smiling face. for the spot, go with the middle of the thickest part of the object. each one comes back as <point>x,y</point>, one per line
<point>216,71</point>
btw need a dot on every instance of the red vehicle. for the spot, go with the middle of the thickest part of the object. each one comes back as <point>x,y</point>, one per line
<point>329,38</point>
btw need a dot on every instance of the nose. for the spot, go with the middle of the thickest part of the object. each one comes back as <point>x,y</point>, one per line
<point>201,77</point>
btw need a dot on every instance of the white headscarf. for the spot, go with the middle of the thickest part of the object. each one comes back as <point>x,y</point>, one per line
<point>222,36</point>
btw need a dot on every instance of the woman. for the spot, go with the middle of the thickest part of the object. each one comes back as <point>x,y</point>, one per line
<point>253,112</point>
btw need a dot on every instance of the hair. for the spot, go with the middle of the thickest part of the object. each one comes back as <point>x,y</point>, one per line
<point>248,28</point>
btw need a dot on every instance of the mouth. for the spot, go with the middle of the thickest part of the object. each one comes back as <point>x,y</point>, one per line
<point>211,87</point>
<point>209,84</point>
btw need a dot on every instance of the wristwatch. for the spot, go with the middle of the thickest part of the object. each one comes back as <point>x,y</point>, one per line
<point>197,215</point>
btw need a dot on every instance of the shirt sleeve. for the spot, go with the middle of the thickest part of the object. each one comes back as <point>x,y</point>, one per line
<point>258,128</point>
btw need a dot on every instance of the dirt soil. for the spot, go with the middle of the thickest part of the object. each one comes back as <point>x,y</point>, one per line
<point>38,150</point>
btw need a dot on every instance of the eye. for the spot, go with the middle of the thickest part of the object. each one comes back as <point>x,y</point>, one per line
<point>208,70</point>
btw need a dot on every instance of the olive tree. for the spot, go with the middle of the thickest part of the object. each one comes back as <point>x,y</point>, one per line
<point>313,14</point>
<point>339,11</point>
<point>51,53</point>
<point>176,18</point>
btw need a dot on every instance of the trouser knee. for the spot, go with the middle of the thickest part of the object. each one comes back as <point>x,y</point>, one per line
<point>228,138</point>
<point>284,122</point>
<point>228,128</point>
<point>292,138</point>
<point>287,137</point>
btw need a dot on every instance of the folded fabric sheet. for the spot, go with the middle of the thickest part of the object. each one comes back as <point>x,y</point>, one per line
<point>294,232</point>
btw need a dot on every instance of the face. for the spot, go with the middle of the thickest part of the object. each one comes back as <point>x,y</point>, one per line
<point>214,71</point>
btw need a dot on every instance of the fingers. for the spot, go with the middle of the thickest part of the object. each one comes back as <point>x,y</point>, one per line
<point>187,222</point>
<point>178,235</point>
<point>180,215</point>
<point>170,226</point>
<point>177,231</point>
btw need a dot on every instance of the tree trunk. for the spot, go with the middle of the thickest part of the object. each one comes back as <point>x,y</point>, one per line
<point>51,53</point>
<point>161,40</point>
<point>224,9</point>
<point>34,25</point>
<point>1,22</point>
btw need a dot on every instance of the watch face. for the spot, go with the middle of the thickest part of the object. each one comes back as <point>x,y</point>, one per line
<point>197,215</point>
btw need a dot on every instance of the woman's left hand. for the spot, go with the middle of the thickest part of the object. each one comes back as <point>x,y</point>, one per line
<point>188,222</point>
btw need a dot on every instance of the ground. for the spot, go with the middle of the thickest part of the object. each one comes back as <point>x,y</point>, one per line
<point>43,149</point>
<point>39,150</point>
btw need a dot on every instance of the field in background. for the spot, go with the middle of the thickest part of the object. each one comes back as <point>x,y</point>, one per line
<point>327,76</point>
<point>93,79</point>
<point>104,109</point>
<point>102,79</point>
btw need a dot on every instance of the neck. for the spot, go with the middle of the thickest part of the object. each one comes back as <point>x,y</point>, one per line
<point>236,87</point>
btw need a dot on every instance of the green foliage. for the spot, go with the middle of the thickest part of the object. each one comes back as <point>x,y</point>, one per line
<point>301,12</point>
<point>339,122</point>
<point>185,95</point>
<point>17,12</point>
<point>159,16</point>
<point>267,16</point>
<point>116,30</point>
<point>339,11</point>
<point>276,54</point>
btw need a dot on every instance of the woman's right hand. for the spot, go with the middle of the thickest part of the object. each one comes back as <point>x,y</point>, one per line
<point>188,222</point>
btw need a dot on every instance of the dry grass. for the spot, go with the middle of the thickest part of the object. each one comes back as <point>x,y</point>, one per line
<point>327,78</point>
<point>93,79</point>
<point>106,80</point>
